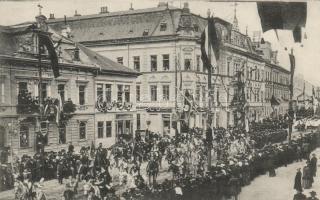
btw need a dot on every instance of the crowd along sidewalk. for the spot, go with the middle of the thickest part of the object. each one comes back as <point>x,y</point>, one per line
<point>281,186</point>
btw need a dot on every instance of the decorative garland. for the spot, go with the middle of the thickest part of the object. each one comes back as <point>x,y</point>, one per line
<point>105,106</point>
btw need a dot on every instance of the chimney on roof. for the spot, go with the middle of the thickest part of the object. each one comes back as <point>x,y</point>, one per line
<point>131,7</point>
<point>186,6</point>
<point>76,14</point>
<point>163,4</point>
<point>51,16</point>
<point>104,9</point>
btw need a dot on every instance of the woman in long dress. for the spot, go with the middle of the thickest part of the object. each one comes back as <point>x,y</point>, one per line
<point>306,181</point>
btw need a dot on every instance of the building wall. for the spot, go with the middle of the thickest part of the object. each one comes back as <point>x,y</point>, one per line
<point>161,109</point>
<point>15,72</point>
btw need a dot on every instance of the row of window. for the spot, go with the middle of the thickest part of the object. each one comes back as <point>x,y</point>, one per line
<point>25,139</point>
<point>154,93</point>
<point>23,89</point>
<point>104,92</point>
<point>154,66</point>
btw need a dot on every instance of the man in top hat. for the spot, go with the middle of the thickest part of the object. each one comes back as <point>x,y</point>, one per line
<point>313,196</point>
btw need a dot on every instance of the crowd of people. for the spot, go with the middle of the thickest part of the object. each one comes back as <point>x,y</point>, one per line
<point>104,170</point>
<point>228,175</point>
<point>305,179</point>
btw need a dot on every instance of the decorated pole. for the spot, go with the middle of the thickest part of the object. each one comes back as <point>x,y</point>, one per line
<point>209,122</point>
<point>291,112</point>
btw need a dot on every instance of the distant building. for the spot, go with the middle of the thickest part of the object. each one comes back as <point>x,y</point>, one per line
<point>277,80</point>
<point>82,71</point>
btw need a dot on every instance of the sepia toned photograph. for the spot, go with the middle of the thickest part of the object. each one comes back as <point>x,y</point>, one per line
<point>159,100</point>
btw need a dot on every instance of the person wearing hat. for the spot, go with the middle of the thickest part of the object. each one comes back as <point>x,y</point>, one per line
<point>313,196</point>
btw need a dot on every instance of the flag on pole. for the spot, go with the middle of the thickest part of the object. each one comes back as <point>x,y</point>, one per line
<point>283,15</point>
<point>292,63</point>
<point>210,44</point>
<point>45,40</point>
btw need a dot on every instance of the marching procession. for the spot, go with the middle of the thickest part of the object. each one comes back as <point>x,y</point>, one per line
<point>100,171</point>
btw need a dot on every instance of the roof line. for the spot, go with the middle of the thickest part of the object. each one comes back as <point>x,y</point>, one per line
<point>112,14</point>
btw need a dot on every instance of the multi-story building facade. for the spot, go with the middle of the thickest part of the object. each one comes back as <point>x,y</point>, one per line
<point>163,43</point>
<point>82,71</point>
<point>277,81</point>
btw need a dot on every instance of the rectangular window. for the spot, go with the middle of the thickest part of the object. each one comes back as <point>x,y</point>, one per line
<point>100,91</point>
<point>163,26</point>
<point>2,97</point>
<point>138,92</point>
<point>204,68</point>
<point>187,64</point>
<point>165,62</point>
<point>120,91</point>
<point>108,129</point>
<point>166,92</point>
<point>197,97</point>
<point>154,63</point>
<point>127,93</point>
<point>153,92</point>
<point>198,63</point>
<point>228,68</point>
<point>204,96</point>
<point>43,90</point>
<point>82,130</point>
<point>82,93</point>
<point>108,92</point>
<point>120,60</point>
<point>138,122</point>
<point>61,92</point>
<point>24,136</point>
<point>23,88</point>
<point>100,129</point>
<point>62,134</point>
<point>136,63</point>
<point>128,127</point>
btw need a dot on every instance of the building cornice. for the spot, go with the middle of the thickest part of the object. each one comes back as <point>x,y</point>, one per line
<point>139,40</point>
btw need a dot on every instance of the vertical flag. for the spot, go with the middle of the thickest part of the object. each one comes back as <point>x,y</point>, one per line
<point>292,63</point>
<point>210,44</point>
<point>45,40</point>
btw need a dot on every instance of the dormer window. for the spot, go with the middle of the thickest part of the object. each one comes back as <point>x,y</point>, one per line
<point>76,55</point>
<point>145,32</point>
<point>163,26</point>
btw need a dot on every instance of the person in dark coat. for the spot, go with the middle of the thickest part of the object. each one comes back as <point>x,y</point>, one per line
<point>70,148</point>
<point>297,180</point>
<point>313,165</point>
<point>307,178</point>
<point>299,196</point>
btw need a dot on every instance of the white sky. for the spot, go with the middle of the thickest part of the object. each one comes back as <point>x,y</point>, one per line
<point>13,12</point>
